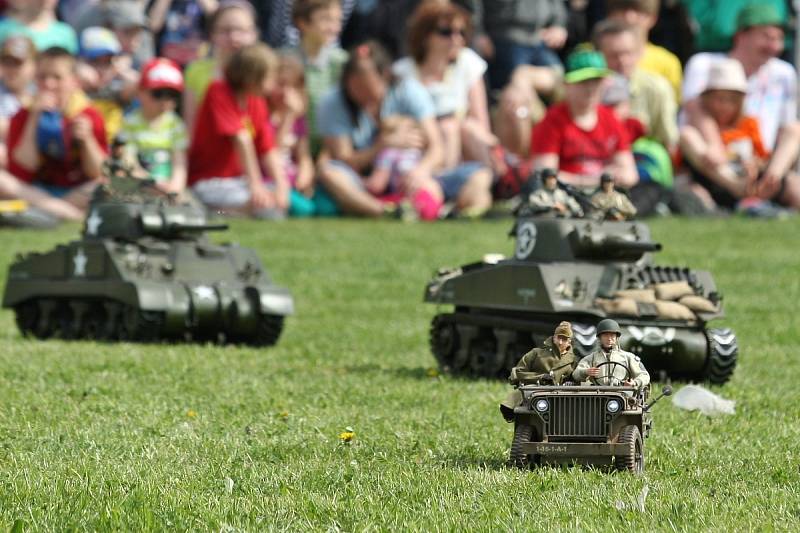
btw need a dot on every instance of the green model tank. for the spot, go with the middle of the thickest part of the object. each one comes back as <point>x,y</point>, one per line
<point>579,269</point>
<point>144,270</point>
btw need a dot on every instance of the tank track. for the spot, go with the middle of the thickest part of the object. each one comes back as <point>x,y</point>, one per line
<point>488,347</point>
<point>723,353</point>
<point>107,320</point>
<point>490,352</point>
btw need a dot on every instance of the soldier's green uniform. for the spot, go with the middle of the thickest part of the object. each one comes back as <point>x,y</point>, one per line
<point>537,363</point>
<point>613,200</point>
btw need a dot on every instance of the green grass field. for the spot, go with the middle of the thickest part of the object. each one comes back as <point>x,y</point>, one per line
<point>162,437</point>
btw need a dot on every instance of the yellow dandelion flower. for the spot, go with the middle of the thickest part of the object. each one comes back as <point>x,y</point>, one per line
<point>284,415</point>
<point>191,413</point>
<point>346,436</point>
<point>433,372</point>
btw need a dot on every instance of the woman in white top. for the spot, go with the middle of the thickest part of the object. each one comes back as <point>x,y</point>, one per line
<point>453,75</point>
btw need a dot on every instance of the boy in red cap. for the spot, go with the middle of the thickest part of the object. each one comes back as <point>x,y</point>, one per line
<point>155,131</point>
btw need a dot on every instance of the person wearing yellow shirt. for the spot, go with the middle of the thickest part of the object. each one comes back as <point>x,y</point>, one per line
<point>643,15</point>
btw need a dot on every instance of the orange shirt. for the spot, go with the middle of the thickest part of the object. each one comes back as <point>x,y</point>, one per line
<point>745,130</point>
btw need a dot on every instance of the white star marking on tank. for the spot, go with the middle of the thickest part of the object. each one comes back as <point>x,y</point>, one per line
<point>93,223</point>
<point>80,261</point>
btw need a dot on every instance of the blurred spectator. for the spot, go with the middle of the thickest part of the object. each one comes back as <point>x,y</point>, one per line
<point>276,19</point>
<point>771,98</point>
<point>287,107</point>
<point>71,11</point>
<point>348,119</point>
<point>231,28</point>
<point>652,99</point>
<point>56,146</point>
<point>232,141</point>
<point>522,32</point>
<point>154,131</point>
<point>453,75</point>
<point>643,14</point>
<point>106,76</point>
<point>723,101</point>
<point>126,18</point>
<point>579,136</point>
<point>617,96</point>
<point>179,27</point>
<point>37,19</point>
<point>319,22</point>
<point>17,70</point>
<point>716,20</point>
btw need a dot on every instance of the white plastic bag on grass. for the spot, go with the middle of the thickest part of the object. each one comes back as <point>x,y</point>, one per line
<point>695,397</point>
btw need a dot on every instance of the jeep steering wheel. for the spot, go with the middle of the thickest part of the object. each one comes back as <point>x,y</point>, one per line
<point>606,363</point>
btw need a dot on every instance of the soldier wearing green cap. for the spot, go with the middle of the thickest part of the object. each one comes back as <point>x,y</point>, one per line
<point>611,365</point>
<point>552,363</point>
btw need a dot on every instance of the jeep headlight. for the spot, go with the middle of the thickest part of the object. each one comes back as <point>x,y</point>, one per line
<point>612,406</point>
<point>541,405</point>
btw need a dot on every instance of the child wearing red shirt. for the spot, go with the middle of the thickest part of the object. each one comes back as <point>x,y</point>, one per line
<point>58,145</point>
<point>233,141</point>
<point>580,137</point>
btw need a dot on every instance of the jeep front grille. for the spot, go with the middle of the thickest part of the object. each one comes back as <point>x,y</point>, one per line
<point>581,416</point>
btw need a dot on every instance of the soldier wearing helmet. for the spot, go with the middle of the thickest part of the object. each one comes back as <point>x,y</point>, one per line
<point>608,333</point>
<point>552,363</point>
<point>551,199</point>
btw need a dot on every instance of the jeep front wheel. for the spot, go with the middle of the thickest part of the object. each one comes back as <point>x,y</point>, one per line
<point>632,458</point>
<point>522,435</point>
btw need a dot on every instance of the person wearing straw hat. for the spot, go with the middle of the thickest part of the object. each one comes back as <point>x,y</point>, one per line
<point>723,100</point>
<point>578,136</point>
<point>771,97</point>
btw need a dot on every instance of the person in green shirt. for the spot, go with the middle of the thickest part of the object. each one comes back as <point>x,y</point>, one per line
<point>154,131</point>
<point>319,23</point>
<point>716,20</point>
<point>36,19</point>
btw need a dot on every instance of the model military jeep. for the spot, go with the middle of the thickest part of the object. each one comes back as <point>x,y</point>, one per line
<point>585,424</point>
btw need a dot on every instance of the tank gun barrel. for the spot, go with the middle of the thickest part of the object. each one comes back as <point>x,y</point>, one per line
<point>613,247</point>
<point>180,228</point>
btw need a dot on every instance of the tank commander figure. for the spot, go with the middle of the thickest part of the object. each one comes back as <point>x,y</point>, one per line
<point>549,198</point>
<point>610,203</point>
<point>550,364</point>
<point>611,374</point>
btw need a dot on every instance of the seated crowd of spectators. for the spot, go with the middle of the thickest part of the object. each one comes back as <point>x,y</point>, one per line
<point>413,108</point>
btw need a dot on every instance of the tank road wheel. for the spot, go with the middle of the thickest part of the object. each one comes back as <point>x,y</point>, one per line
<point>523,434</point>
<point>269,329</point>
<point>444,342</point>
<point>96,323</point>
<point>632,458</point>
<point>483,357</point>
<point>45,327</point>
<point>27,316</point>
<point>723,351</point>
<point>63,320</point>
<point>136,325</point>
